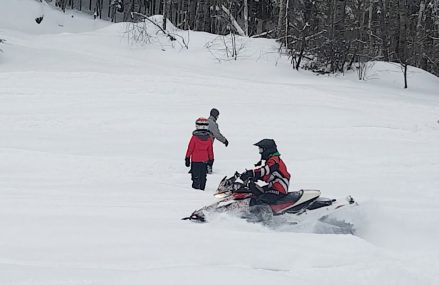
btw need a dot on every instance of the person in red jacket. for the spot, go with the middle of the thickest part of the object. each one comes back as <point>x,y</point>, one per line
<point>199,153</point>
<point>274,172</point>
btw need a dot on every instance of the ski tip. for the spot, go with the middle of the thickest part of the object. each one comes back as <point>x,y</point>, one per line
<point>350,200</point>
<point>195,217</point>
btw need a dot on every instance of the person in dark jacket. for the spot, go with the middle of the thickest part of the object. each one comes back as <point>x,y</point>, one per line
<point>215,132</point>
<point>199,153</point>
<point>274,172</point>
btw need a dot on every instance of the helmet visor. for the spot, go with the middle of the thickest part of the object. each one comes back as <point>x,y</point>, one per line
<point>261,150</point>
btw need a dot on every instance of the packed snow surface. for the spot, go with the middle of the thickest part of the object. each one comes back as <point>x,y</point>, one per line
<point>93,185</point>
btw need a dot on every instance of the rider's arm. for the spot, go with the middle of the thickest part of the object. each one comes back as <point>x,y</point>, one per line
<point>267,169</point>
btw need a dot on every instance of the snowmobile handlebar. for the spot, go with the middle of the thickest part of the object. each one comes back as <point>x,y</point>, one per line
<point>246,181</point>
<point>233,185</point>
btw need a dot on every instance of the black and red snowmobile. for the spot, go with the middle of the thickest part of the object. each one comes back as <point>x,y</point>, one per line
<point>235,196</point>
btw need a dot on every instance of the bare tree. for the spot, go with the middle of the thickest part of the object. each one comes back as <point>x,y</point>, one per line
<point>246,17</point>
<point>384,34</point>
<point>144,30</point>
<point>402,49</point>
<point>321,35</point>
<point>282,19</point>
<point>225,48</point>
<point>419,47</point>
<point>233,21</point>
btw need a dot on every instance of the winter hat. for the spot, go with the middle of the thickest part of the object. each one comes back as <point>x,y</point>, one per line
<point>214,112</point>
<point>202,124</point>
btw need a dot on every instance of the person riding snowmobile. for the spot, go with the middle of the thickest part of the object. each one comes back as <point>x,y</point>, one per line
<point>274,172</point>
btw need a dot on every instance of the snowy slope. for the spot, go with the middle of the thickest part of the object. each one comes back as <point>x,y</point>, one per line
<point>92,177</point>
<point>20,15</point>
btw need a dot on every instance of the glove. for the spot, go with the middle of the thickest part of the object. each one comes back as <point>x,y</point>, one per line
<point>226,143</point>
<point>187,161</point>
<point>246,175</point>
<point>210,162</point>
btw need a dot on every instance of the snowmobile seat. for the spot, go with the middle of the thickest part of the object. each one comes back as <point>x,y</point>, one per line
<point>291,197</point>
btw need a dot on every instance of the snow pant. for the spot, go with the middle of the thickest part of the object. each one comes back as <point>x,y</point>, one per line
<point>268,196</point>
<point>199,175</point>
<point>259,208</point>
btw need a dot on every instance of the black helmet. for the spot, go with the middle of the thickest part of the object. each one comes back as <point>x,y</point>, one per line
<point>266,148</point>
<point>214,112</point>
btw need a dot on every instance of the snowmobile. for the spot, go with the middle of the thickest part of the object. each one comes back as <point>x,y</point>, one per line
<point>235,196</point>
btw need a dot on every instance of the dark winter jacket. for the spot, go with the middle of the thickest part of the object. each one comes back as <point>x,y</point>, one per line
<point>214,130</point>
<point>200,148</point>
<point>275,173</point>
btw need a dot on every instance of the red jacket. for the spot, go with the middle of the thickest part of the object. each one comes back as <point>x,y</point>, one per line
<point>275,173</point>
<point>200,148</point>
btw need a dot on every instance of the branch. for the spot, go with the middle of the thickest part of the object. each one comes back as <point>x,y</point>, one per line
<point>234,22</point>
<point>375,36</point>
<point>315,35</point>
<point>431,60</point>
<point>182,40</point>
<point>262,34</point>
<point>171,37</point>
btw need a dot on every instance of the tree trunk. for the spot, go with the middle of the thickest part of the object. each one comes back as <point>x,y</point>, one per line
<point>206,16</point>
<point>287,6</point>
<point>383,30</point>
<point>420,34</point>
<point>436,16</point>
<point>369,24</point>
<point>165,13</point>
<point>199,21</point>
<point>101,4</point>
<point>157,7</point>
<point>246,17</point>
<point>192,13</point>
<point>234,22</point>
<point>281,19</point>
<point>402,49</point>
<point>435,44</point>
<point>129,7</point>
<point>302,50</point>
